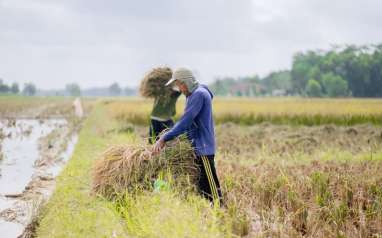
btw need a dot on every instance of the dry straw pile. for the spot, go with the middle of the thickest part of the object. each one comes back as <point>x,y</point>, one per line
<point>134,168</point>
<point>153,84</point>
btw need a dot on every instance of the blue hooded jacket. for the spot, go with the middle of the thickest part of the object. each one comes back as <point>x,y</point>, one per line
<point>197,122</point>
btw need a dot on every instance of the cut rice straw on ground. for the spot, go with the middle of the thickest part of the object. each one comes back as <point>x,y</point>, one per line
<point>133,168</point>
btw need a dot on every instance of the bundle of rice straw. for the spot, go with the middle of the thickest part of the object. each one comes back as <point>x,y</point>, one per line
<point>134,168</point>
<point>153,84</point>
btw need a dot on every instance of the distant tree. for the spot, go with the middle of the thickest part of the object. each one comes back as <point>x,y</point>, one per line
<point>280,80</point>
<point>313,88</point>
<point>115,89</point>
<point>15,88</point>
<point>375,68</point>
<point>222,86</point>
<point>3,87</point>
<point>29,89</point>
<point>303,70</point>
<point>73,89</point>
<point>334,85</point>
<point>243,86</point>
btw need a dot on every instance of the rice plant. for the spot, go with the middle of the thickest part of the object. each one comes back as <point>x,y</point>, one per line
<point>292,111</point>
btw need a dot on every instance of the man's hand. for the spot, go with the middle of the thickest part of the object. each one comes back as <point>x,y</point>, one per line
<point>158,146</point>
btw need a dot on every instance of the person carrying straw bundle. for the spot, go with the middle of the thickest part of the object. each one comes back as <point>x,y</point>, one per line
<point>164,107</point>
<point>197,122</point>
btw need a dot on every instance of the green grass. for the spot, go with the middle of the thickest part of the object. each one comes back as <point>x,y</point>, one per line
<point>163,214</point>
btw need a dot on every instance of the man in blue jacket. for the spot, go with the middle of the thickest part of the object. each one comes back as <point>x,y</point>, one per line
<point>197,122</point>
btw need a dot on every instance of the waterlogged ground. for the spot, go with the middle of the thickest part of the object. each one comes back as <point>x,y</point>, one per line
<point>32,154</point>
<point>37,138</point>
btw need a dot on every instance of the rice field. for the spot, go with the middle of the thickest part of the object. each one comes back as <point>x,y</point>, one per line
<point>39,107</point>
<point>304,181</point>
<point>309,168</point>
<point>293,111</point>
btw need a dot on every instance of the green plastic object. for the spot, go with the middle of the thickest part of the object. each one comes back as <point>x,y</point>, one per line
<point>160,185</point>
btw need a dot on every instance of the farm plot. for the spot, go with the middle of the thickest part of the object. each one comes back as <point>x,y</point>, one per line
<point>310,178</point>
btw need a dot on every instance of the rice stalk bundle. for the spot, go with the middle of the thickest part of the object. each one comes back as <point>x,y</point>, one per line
<point>153,84</point>
<point>133,168</point>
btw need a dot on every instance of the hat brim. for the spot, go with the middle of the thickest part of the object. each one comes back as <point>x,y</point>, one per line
<point>170,81</point>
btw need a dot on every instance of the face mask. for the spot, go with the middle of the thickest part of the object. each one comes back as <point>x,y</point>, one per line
<point>175,88</point>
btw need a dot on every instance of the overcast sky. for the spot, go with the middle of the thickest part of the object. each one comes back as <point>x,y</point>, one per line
<point>95,43</point>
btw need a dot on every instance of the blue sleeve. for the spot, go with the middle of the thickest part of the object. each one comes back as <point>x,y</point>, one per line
<point>193,107</point>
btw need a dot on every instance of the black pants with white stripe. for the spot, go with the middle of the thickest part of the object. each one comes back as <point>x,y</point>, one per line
<point>208,182</point>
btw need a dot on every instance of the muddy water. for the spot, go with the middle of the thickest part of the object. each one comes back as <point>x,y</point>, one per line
<point>55,169</point>
<point>18,170</point>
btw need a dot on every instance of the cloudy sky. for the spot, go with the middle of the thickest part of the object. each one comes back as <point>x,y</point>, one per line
<point>95,43</point>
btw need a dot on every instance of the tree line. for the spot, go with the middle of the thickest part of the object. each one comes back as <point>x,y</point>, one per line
<point>277,83</point>
<point>113,89</point>
<point>14,88</point>
<point>72,89</point>
<point>342,71</point>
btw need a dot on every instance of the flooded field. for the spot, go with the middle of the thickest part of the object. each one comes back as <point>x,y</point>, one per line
<point>31,159</point>
<point>36,141</point>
